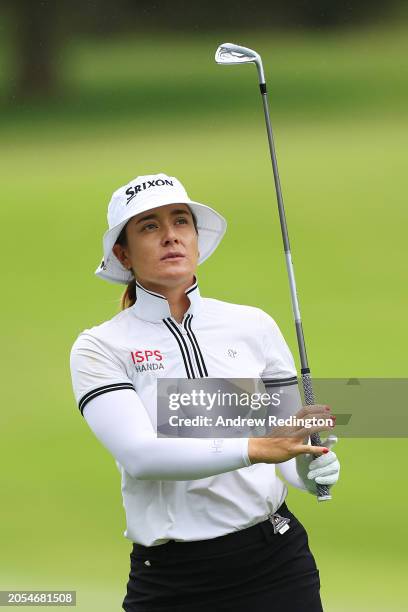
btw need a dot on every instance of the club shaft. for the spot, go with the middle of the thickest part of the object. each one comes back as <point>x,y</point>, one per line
<point>322,490</point>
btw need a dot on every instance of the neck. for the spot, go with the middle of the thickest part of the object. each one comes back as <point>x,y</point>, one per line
<point>176,297</point>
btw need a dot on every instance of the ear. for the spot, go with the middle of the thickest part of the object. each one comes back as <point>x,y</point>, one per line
<point>120,253</point>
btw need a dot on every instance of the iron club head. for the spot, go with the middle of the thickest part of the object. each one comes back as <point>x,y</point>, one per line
<point>228,53</point>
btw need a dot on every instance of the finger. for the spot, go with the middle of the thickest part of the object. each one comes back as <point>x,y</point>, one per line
<point>323,461</point>
<point>327,480</point>
<point>318,408</point>
<point>315,418</point>
<point>307,431</point>
<point>309,448</point>
<point>304,424</point>
<point>300,435</point>
<point>324,471</point>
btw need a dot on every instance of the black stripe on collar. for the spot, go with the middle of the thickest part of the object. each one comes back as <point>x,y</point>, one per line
<point>191,289</point>
<point>151,292</point>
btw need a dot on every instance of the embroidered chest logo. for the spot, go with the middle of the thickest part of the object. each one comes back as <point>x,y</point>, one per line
<point>147,360</point>
<point>232,353</point>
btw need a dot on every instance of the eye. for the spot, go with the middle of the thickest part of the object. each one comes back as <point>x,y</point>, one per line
<point>182,219</point>
<point>148,226</point>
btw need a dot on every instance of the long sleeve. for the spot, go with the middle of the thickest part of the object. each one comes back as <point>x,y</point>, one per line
<point>108,400</point>
<point>121,423</point>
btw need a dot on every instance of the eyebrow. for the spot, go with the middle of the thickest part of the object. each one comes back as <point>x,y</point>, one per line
<point>178,211</point>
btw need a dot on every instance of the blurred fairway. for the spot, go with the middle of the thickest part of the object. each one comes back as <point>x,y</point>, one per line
<point>339,109</point>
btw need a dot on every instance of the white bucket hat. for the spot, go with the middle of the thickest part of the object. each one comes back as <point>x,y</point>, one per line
<point>144,193</point>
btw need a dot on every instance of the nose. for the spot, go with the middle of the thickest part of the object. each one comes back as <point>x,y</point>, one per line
<point>169,235</point>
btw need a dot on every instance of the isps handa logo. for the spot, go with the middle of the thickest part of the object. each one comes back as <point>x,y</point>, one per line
<point>147,360</point>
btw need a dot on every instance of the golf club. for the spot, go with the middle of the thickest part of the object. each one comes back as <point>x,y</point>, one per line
<point>228,53</point>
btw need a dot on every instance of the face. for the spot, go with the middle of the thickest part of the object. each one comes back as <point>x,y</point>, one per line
<point>162,246</point>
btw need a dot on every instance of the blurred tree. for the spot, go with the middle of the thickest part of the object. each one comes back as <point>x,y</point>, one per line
<point>41,26</point>
<point>257,14</point>
<point>37,43</point>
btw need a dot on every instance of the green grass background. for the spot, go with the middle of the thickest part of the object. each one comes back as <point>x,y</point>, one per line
<point>339,110</point>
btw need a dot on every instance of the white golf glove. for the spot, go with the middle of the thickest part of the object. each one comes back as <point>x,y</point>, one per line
<point>323,470</point>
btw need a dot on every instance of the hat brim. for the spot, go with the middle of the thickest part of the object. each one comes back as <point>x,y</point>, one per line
<point>211,228</point>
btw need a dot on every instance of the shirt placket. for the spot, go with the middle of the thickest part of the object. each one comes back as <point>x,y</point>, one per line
<point>190,348</point>
<point>181,337</point>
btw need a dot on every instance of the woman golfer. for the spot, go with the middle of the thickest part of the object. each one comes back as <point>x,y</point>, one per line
<point>207,518</point>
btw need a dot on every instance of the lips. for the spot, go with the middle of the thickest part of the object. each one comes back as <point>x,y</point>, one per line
<point>172,255</point>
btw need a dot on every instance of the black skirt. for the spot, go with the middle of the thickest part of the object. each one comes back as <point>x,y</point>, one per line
<point>253,570</point>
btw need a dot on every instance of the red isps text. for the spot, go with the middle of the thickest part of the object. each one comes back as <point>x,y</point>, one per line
<point>147,355</point>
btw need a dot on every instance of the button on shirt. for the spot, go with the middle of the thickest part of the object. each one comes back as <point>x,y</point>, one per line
<point>215,339</point>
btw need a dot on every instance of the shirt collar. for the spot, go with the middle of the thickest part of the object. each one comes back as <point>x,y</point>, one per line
<point>154,307</point>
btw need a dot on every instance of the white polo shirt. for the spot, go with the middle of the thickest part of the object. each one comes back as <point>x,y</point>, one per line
<point>215,339</point>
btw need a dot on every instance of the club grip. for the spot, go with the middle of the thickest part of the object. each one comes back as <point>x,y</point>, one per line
<point>323,493</point>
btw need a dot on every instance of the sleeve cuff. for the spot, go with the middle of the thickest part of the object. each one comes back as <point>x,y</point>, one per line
<point>269,381</point>
<point>100,390</point>
<point>245,444</point>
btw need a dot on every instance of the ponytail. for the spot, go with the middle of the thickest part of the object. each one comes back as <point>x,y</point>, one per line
<point>129,295</point>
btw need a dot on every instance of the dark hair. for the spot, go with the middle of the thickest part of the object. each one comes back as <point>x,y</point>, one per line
<point>128,297</point>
